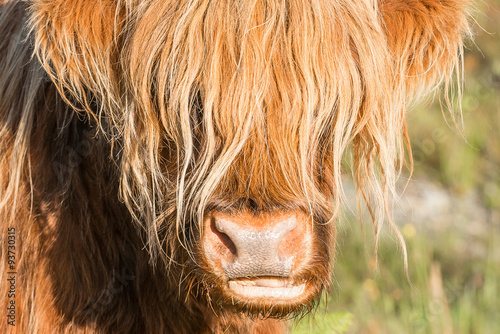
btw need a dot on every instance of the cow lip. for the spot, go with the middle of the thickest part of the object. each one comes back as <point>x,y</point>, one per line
<point>267,287</point>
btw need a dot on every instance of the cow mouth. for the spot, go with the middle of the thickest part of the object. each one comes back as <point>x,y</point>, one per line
<point>267,287</point>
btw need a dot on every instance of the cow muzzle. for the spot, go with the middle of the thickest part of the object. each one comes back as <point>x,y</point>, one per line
<point>259,255</point>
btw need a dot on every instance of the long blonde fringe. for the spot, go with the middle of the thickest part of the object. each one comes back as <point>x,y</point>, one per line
<point>265,88</point>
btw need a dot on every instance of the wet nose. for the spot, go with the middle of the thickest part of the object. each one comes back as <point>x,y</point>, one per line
<point>247,246</point>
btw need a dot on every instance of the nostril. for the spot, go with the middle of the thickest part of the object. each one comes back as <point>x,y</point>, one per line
<point>223,237</point>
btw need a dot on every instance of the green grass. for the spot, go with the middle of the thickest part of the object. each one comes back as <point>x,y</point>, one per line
<point>453,289</point>
<point>325,323</point>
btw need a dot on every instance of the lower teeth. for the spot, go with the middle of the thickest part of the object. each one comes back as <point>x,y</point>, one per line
<point>280,289</point>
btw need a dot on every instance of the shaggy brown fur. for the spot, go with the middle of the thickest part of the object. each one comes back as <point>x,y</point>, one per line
<point>124,122</point>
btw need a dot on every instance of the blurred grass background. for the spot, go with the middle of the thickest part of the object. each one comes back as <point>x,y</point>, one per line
<point>450,217</point>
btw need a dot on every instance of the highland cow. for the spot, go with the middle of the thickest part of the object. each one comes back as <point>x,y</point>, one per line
<point>174,166</point>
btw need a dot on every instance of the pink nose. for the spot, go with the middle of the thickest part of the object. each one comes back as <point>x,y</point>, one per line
<point>243,245</point>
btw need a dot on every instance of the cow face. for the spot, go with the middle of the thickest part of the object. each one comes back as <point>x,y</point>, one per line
<point>233,119</point>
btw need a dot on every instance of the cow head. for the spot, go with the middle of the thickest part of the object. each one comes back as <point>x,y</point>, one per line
<point>233,119</point>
